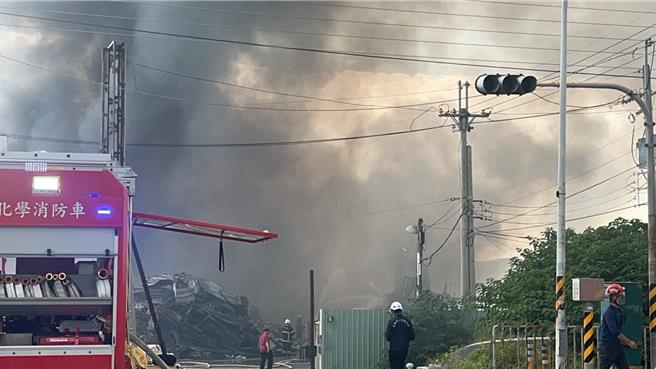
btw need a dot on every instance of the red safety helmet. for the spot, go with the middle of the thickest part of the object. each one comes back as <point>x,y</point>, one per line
<point>614,289</point>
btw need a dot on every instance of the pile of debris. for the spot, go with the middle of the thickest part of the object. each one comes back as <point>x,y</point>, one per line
<point>198,318</point>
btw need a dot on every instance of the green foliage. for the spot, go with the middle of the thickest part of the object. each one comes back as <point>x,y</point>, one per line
<point>440,322</point>
<point>616,252</point>
<point>479,359</point>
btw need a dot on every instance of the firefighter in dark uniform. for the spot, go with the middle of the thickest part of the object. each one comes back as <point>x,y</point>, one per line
<point>287,333</point>
<point>399,333</point>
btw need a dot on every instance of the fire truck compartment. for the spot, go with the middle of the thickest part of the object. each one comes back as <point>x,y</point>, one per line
<point>43,241</point>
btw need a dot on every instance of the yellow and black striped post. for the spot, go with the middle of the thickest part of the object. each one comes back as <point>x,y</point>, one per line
<point>560,292</point>
<point>530,354</point>
<point>545,354</point>
<point>652,308</point>
<point>589,358</point>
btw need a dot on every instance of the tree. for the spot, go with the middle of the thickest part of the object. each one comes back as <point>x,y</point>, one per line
<point>525,295</point>
<point>441,322</point>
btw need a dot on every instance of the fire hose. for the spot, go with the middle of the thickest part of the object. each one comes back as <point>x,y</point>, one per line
<point>198,365</point>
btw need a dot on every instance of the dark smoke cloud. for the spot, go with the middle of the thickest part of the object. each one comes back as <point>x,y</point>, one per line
<point>325,200</point>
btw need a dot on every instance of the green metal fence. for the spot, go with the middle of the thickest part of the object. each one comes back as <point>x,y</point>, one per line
<point>352,339</point>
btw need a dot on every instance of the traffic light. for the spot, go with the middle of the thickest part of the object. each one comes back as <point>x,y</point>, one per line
<point>505,84</point>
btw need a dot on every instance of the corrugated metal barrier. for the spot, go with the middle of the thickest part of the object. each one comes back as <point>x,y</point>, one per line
<point>352,339</point>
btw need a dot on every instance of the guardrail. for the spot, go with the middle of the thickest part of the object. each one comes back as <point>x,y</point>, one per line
<point>530,344</point>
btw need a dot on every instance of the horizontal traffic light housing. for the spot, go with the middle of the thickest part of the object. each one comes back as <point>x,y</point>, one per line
<point>505,84</point>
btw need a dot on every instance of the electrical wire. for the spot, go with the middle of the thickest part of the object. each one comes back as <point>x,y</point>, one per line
<point>245,144</point>
<point>430,257</point>
<point>414,206</point>
<point>586,58</point>
<point>543,172</point>
<point>502,234</point>
<point>336,20</point>
<point>575,219</point>
<point>623,188</point>
<point>551,187</point>
<point>569,6</point>
<point>286,47</point>
<point>323,34</point>
<point>625,201</point>
<point>223,105</point>
<point>569,209</point>
<point>450,213</point>
<point>554,202</point>
<point>272,92</point>
<point>469,16</point>
<point>127,35</point>
<point>489,121</point>
<point>491,239</point>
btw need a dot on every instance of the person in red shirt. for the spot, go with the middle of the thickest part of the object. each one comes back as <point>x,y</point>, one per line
<point>266,351</point>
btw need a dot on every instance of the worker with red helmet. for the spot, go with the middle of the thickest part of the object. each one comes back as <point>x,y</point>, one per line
<point>611,337</point>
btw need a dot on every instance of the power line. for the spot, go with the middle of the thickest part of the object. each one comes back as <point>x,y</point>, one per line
<point>553,202</point>
<point>575,219</point>
<point>588,57</point>
<point>502,205</point>
<point>551,187</point>
<point>242,144</point>
<point>280,93</point>
<point>396,10</point>
<point>320,34</point>
<point>541,115</point>
<point>430,258</point>
<point>568,7</point>
<point>401,208</point>
<point>569,209</point>
<point>224,105</point>
<point>514,61</point>
<point>450,213</point>
<point>625,201</point>
<point>500,233</point>
<point>598,149</point>
<point>232,144</point>
<point>289,48</point>
<point>623,188</point>
<point>491,239</point>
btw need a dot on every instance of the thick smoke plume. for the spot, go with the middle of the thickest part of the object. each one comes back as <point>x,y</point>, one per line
<point>340,208</point>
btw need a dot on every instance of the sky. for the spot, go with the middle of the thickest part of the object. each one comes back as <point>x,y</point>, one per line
<point>340,207</point>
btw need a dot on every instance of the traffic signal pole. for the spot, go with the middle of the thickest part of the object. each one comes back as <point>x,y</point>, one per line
<point>651,199</point>
<point>509,84</point>
<point>644,101</point>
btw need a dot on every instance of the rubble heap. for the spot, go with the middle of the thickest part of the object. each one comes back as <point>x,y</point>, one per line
<point>199,318</point>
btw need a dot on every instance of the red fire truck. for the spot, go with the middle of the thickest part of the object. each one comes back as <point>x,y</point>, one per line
<point>65,233</point>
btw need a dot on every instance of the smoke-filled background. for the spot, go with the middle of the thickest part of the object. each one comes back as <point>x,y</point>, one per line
<point>340,207</point>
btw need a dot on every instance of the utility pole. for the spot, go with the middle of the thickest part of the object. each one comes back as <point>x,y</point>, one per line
<point>313,349</point>
<point>651,200</point>
<point>561,319</point>
<point>421,241</point>
<point>463,119</point>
